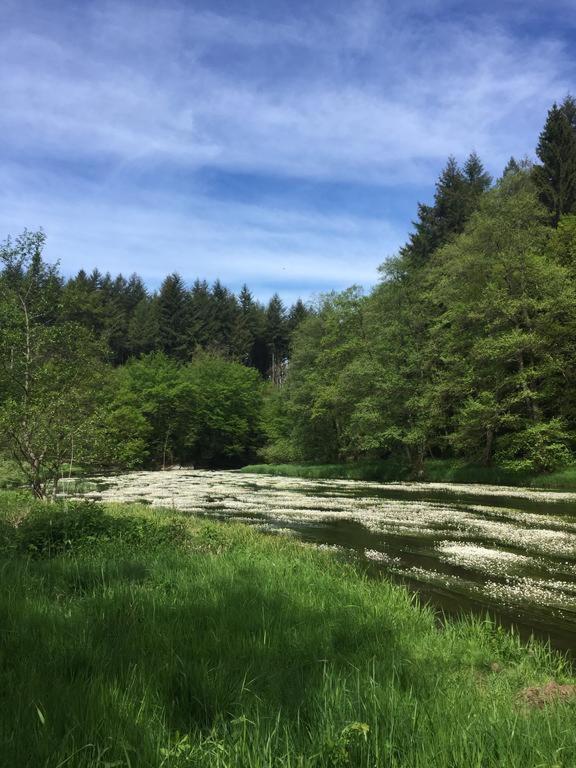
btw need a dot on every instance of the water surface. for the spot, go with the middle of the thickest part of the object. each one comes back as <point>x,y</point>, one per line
<point>508,551</point>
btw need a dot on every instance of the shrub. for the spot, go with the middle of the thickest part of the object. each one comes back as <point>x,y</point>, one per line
<point>539,447</point>
<point>54,529</point>
<point>51,529</point>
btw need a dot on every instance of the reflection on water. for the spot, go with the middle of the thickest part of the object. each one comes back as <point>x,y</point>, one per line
<point>464,548</point>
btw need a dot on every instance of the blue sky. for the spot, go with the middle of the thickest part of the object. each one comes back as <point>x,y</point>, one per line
<point>279,142</point>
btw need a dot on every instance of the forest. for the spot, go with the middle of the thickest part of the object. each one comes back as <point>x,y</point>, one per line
<point>465,348</point>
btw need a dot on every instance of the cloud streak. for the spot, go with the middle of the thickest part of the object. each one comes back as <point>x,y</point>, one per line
<point>367,93</point>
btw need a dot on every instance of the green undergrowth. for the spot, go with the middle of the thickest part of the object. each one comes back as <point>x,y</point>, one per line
<point>435,470</point>
<point>132,636</point>
<point>383,471</point>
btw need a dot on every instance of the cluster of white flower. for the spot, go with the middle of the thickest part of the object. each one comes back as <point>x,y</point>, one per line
<point>481,558</point>
<point>381,557</point>
<point>544,593</point>
<point>477,537</point>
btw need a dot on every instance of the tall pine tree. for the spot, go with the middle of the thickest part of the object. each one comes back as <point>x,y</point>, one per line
<point>555,177</point>
<point>174,330</point>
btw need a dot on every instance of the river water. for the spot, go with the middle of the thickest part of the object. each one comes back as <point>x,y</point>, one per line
<point>510,552</point>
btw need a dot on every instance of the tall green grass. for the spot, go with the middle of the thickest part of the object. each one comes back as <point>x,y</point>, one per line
<point>383,471</point>
<point>435,470</point>
<point>134,637</point>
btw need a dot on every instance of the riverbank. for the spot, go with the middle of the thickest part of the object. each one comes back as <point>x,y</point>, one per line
<point>141,636</point>
<point>435,470</point>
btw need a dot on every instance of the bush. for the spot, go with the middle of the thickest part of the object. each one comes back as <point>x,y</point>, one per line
<point>537,448</point>
<point>53,529</point>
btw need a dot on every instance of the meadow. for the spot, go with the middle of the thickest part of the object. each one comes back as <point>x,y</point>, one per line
<point>138,636</point>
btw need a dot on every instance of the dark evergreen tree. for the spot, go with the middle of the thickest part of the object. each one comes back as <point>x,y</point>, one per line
<point>296,315</point>
<point>248,332</point>
<point>226,310</point>
<point>277,338</point>
<point>174,318</point>
<point>83,303</point>
<point>555,176</point>
<point>512,167</point>
<point>456,197</point>
<point>144,327</point>
<point>569,109</point>
<point>478,180</point>
<point>202,315</point>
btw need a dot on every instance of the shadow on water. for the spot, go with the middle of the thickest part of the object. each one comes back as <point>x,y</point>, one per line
<point>459,598</point>
<point>462,550</point>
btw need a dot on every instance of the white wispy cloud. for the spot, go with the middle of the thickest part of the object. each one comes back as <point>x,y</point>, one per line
<point>270,248</point>
<point>371,92</point>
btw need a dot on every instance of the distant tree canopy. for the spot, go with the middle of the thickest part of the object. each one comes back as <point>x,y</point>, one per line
<point>465,348</point>
<point>99,371</point>
<point>177,320</point>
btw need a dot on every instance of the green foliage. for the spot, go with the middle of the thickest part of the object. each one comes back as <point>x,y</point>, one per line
<point>540,447</point>
<point>206,412</point>
<point>50,368</point>
<point>456,197</point>
<point>467,352</point>
<point>55,528</point>
<point>73,527</point>
<point>385,470</point>
<point>562,244</point>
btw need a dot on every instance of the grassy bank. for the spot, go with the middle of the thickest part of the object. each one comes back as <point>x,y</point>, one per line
<point>436,470</point>
<point>135,637</point>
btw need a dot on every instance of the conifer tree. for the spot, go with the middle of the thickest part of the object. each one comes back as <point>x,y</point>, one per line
<point>555,177</point>
<point>202,320</point>
<point>277,338</point>
<point>456,198</point>
<point>144,327</point>
<point>512,166</point>
<point>478,180</point>
<point>225,308</point>
<point>569,109</point>
<point>174,318</point>
<point>248,330</point>
<point>296,315</point>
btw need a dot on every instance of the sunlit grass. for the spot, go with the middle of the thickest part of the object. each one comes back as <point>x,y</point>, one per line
<point>139,637</point>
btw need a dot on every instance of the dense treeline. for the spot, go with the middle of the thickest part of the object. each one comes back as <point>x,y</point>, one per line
<point>465,349</point>
<point>96,370</point>
<point>178,321</point>
<point>467,346</point>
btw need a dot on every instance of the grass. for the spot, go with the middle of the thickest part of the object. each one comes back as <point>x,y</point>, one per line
<point>436,470</point>
<point>131,636</point>
<point>383,471</point>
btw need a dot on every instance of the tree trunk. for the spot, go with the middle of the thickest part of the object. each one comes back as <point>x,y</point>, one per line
<point>487,454</point>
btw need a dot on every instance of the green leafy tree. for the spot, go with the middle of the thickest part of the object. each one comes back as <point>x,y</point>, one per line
<point>49,369</point>
<point>562,245</point>
<point>507,323</point>
<point>226,427</point>
<point>151,399</point>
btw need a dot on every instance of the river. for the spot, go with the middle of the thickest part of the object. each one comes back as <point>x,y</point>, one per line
<point>509,552</point>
